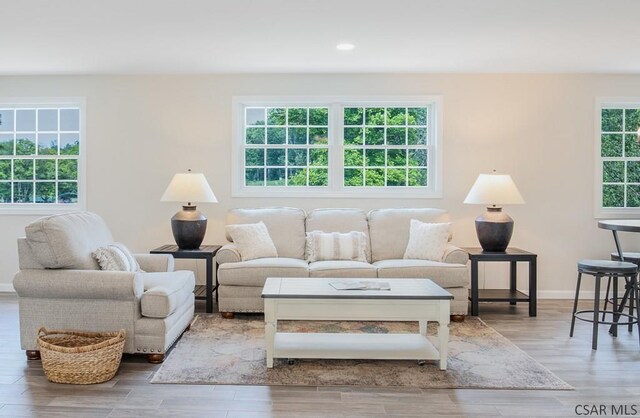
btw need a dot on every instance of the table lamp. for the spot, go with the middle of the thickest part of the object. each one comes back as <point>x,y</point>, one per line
<point>494,227</point>
<point>189,225</point>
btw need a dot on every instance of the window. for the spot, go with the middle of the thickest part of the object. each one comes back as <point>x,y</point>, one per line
<point>332,147</point>
<point>41,156</point>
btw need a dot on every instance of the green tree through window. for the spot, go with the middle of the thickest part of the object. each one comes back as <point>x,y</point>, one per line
<point>39,155</point>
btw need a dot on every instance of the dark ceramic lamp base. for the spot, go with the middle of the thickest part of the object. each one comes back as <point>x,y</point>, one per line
<point>494,229</point>
<point>188,227</point>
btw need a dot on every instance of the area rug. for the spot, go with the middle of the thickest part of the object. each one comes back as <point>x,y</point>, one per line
<point>232,352</point>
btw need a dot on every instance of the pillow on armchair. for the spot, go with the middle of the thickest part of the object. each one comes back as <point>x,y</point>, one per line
<point>116,257</point>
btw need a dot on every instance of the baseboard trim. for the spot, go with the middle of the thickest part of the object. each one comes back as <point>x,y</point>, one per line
<point>6,288</point>
<point>568,294</point>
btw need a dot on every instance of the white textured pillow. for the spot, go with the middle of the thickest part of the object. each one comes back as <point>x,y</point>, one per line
<point>427,241</point>
<point>253,240</point>
<point>323,246</point>
<point>116,257</point>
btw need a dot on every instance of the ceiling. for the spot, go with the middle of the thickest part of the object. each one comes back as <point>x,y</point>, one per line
<point>299,36</point>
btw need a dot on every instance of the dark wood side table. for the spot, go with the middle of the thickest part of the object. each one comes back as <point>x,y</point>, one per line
<point>512,295</point>
<point>206,252</point>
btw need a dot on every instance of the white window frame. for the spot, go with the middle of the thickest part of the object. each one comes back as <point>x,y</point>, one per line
<point>52,208</point>
<point>336,149</point>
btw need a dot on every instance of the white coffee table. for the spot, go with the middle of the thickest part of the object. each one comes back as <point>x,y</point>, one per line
<point>309,299</point>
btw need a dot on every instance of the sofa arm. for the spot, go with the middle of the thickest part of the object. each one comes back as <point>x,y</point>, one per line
<point>156,263</point>
<point>229,253</point>
<point>78,284</point>
<point>455,255</point>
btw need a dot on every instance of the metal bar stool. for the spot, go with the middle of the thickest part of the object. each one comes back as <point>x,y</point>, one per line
<point>614,270</point>
<point>631,258</point>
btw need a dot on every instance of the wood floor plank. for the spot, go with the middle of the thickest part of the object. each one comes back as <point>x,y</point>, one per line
<point>608,375</point>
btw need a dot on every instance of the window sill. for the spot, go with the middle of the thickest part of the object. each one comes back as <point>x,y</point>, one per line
<point>44,210</point>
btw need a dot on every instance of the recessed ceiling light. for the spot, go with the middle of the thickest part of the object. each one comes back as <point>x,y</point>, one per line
<point>345,46</point>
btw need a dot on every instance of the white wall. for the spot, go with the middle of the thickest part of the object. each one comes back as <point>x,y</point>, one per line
<point>539,128</point>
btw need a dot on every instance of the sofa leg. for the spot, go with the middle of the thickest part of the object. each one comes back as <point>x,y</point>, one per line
<point>155,358</point>
<point>228,315</point>
<point>458,318</point>
<point>33,355</point>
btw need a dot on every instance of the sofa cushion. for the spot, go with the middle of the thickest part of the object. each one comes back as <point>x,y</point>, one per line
<point>166,292</point>
<point>389,229</point>
<point>68,240</point>
<point>341,268</point>
<point>255,272</point>
<point>324,246</point>
<point>285,225</point>
<point>443,274</point>
<point>339,220</point>
<point>253,240</point>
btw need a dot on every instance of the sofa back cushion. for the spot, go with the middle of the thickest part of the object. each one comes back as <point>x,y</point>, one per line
<point>67,241</point>
<point>389,229</point>
<point>341,220</point>
<point>285,226</point>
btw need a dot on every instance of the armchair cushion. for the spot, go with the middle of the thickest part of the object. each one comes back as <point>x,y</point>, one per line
<point>68,240</point>
<point>166,292</point>
<point>160,263</point>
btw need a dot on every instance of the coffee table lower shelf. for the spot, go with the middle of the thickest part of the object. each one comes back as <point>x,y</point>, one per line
<point>354,346</point>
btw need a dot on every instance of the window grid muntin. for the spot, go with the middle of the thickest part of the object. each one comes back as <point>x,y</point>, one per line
<point>286,146</point>
<point>386,147</point>
<point>12,181</point>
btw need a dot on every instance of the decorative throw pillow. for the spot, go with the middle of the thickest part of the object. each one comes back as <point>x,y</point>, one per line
<point>116,257</point>
<point>322,246</point>
<point>427,241</point>
<point>253,240</point>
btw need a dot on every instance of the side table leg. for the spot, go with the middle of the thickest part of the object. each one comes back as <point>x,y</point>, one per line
<point>533,288</point>
<point>474,288</point>
<point>269,330</point>
<point>513,280</point>
<point>423,327</point>
<point>209,287</point>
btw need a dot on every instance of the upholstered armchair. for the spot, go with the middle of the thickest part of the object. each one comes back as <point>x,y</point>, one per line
<point>60,286</point>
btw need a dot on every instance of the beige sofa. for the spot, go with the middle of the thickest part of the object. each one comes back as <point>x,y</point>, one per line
<point>60,286</point>
<point>241,282</point>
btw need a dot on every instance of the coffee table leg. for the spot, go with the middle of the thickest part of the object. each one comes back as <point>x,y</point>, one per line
<point>423,327</point>
<point>270,325</point>
<point>443,335</point>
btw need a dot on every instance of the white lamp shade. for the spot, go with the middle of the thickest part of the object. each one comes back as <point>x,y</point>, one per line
<point>189,187</point>
<point>494,189</point>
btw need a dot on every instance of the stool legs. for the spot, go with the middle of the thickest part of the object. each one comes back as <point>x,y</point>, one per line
<point>596,312</point>
<point>606,298</point>
<point>614,328</point>
<point>575,305</point>
<point>636,290</point>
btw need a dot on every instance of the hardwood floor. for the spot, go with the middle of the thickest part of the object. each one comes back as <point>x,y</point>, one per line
<point>608,376</point>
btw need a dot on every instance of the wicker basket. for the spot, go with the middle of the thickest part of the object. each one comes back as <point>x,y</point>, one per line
<point>80,358</point>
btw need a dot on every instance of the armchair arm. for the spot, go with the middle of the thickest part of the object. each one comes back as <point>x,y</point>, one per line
<point>158,263</point>
<point>229,253</point>
<point>455,255</point>
<point>78,284</point>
